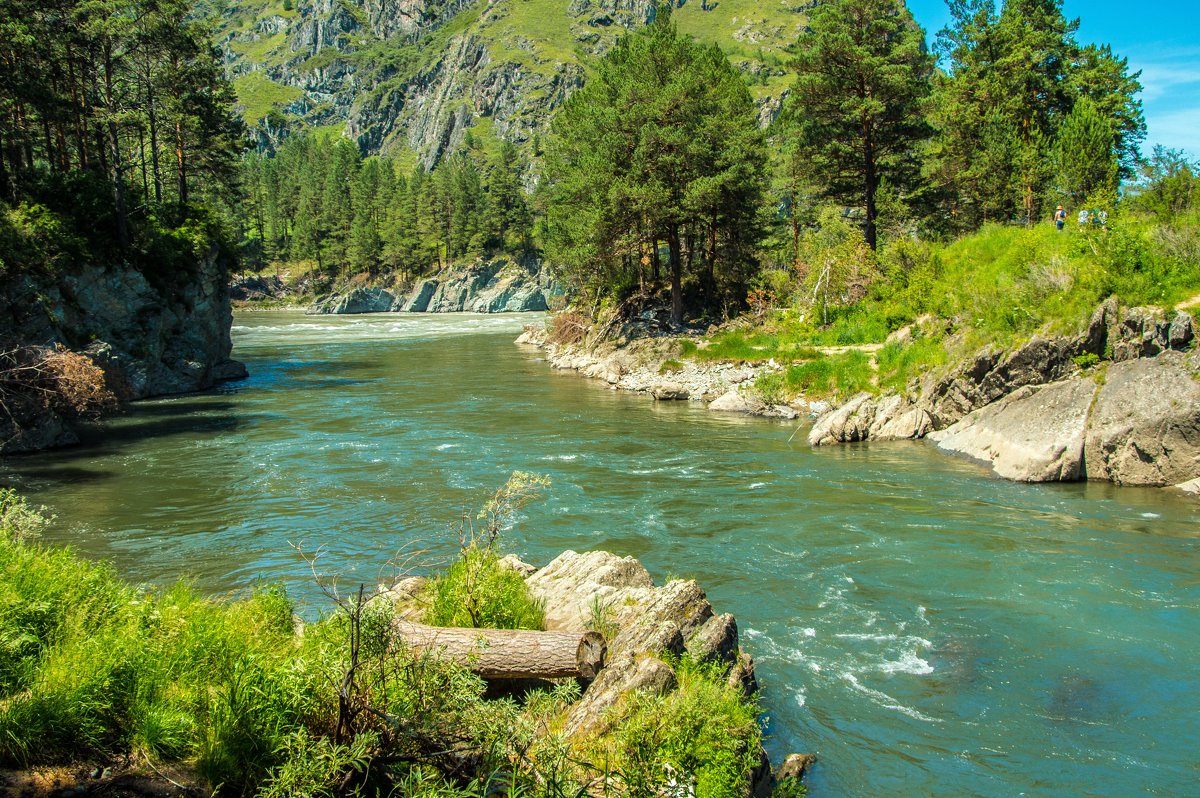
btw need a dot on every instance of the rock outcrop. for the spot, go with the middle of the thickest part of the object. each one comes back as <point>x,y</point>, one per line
<point>151,338</point>
<point>645,626</point>
<point>422,75</point>
<point>1035,434</point>
<point>1145,427</point>
<point>1118,402</point>
<point>644,621</point>
<point>496,286</point>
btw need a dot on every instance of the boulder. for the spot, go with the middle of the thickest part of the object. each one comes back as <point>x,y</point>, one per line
<point>846,424</point>
<point>1145,429</point>
<point>992,374</point>
<point>644,622</point>
<point>735,401</point>
<point>358,300</point>
<point>1035,434</point>
<point>1191,486</point>
<point>666,390</point>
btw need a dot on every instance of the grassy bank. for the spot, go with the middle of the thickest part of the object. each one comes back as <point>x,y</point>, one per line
<point>998,286</point>
<point>93,668</point>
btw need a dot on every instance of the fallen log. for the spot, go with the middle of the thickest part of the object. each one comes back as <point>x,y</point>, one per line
<point>511,653</point>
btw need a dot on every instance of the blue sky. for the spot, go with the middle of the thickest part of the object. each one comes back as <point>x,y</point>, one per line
<point>1162,39</point>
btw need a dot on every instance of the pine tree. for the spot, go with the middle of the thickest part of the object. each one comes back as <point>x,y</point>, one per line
<point>862,76</point>
<point>1086,156</point>
<point>661,144</point>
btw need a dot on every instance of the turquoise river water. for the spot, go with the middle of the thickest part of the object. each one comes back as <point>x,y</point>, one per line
<point>922,627</point>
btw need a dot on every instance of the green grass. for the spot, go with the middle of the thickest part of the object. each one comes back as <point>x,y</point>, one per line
<point>705,733</point>
<point>999,285</point>
<point>899,364</point>
<point>780,344</point>
<point>259,95</point>
<point>476,591</point>
<point>261,50</point>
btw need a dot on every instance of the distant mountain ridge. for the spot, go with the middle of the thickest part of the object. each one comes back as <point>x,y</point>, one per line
<point>414,77</point>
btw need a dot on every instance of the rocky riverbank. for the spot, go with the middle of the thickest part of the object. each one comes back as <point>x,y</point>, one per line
<point>1118,402</point>
<point>150,338</point>
<point>644,360</point>
<point>486,286</point>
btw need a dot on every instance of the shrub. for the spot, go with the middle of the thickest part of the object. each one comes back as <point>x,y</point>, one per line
<point>704,736</point>
<point>476,591</point>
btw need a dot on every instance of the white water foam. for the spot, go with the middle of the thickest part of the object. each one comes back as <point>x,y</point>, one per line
<point>909,662</point>
<point>886,701</point>
<point>757,485</point>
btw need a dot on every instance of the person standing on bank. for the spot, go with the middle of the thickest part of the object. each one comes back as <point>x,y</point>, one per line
<point>1060,218</point>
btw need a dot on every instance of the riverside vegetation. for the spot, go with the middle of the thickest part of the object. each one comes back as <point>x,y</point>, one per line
<point>236,695</point>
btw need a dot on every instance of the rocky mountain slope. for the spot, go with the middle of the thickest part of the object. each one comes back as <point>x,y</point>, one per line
<point>416,76</point>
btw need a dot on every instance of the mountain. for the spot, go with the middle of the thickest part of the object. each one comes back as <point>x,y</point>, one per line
<point>414,77</point>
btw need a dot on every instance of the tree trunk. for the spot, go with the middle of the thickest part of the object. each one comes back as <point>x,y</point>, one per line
<point>152,117</point>
<point>871,185</point>
<point>181,163</point>
<point>114,141</point>
<point>676,276</point>
<point>511,653</point>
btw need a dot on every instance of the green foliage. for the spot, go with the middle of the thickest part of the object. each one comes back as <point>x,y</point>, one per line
<point>841,375</point>
<point>1085,153</point>
<point>661,144</point>
<point>317,199</point>
<point>476,591</point>
<point>19,521</point>
<point>900,364</point>
<point>862,76</point>
<point>1011,83</point>
<point>702,736</point>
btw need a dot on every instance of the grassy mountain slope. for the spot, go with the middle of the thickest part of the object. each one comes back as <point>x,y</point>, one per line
<point>416,75</point>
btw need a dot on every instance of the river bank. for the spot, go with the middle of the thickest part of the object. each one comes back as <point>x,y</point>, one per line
<point>1119,401</point>
<point>492,285</point>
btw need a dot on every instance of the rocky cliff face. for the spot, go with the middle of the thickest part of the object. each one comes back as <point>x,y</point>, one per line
<point>495,286</point>
<point>151,340</point>
<point>417,75</point>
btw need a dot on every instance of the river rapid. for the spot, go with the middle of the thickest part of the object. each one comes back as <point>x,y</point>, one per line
<point>922,627</point>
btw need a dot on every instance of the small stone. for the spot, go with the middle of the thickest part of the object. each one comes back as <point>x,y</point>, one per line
<point>796,766</point>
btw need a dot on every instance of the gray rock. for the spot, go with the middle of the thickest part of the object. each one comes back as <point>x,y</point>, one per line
<point>418,300</point>
<point>715,641</point>
<point>846,424</point>
<point>796,766</point>
<point>1145,429</point>
<point>1035,434</point>
<point>152,339</point>
<point>1191,486</point>
<point>666,390</point>
<point>358,300</point>
<point>737,402</point>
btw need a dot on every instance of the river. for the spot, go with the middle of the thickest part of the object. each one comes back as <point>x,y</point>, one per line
<point>922,627</point>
